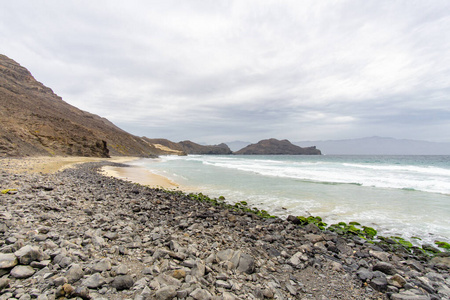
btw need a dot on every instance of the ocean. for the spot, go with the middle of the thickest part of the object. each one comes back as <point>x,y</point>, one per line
<point>407,196</point>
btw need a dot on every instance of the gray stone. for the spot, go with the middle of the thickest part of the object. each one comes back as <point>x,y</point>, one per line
<point>364,274</point>
<point>164,279</point>
<point>122,270</point>
<point>94,281</point>
<point>75,273</point>
<point>385,267</point>
<point>223,284</point>
<point>225,255</point>
<point>380,255</point>
<point>379,283</point>
<point>122,282</point>
<point>40,264</point>
<point>166,293</point>
<point>82,292</point>
<point>314,238</point>
<point>58,281</point>
<point>407,295</point>
<point>198,270</point>
<point>22,272</point>
<point>243,262</point>
<point>397,281</point>
<point>28,253</point>
<point>200,294</point>
<point>8,260</point>
<point>103,265</point>
<point>229,296</point>
<point>4,283</point>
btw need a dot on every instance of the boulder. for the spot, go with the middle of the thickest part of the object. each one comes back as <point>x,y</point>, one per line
<point>21,272</point>
<point>122,282</point>
<point>8,260</point>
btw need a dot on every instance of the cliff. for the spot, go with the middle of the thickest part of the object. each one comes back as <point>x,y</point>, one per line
<point>188,147</point>
<point>277,147</point>
<point>36,121</point>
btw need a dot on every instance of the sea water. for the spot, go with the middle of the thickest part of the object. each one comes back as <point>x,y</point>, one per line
<point>406,196</point>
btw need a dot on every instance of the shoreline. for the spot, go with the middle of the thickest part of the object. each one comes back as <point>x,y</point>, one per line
<point>107,237</point>
<point>139,175</point>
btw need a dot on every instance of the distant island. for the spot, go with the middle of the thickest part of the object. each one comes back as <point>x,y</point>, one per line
<point>277,147</point>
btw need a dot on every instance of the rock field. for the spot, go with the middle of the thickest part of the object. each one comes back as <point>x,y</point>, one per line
<point>78,234</point>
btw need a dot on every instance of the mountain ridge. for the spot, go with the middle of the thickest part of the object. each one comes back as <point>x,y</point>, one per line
<point>277,147</point>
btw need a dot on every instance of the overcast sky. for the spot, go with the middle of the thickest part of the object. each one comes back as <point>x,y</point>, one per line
<point>219,71</point>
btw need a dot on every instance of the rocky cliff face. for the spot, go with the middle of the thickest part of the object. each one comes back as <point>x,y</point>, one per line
<point>36,121</point>
<point>274,147</point>
<point>188,147</point>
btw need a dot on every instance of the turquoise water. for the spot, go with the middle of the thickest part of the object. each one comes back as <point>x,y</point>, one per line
<point>398,195</point>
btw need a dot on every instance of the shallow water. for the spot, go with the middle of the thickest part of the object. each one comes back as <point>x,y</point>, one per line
<point>398,195</point>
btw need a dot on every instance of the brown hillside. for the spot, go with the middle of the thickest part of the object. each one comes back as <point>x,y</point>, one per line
<point>188,147</point>
<point>36,121</point>
<point>277,147</point>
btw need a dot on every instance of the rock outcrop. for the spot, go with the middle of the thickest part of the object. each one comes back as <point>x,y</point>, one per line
<point>36,121</point>
<point>277,147</point>
<point>189,147</point>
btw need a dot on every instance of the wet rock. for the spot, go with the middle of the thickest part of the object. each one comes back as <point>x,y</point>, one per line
<point>364,274</point>
<point>384,267</point>
<point>379,283</point>
<point>397,281</point>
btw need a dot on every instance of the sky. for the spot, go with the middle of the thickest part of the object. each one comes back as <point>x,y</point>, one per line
<point>220,71</point>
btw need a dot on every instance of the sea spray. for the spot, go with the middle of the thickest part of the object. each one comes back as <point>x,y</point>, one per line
<point>399,195</point>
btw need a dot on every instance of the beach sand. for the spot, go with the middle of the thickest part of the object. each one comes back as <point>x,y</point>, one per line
<point>139,175</point>
<point>49,165</point>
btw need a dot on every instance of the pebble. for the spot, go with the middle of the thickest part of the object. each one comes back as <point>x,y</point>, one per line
<point>89,236</point>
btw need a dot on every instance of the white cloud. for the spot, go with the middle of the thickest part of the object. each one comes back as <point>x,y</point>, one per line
<point>210,70</point>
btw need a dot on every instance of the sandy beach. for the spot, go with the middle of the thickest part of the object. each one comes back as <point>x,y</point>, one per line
<point>50,165</point>
<point>139,175</point>
<point>102,237</point>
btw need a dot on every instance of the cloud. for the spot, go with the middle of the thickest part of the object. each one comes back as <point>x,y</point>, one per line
<point>211,71</point>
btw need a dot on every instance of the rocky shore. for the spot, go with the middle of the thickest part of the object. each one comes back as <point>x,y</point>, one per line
<point>82,235</point>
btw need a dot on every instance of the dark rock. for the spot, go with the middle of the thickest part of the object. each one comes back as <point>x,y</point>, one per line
<point>293,219</point>
<point>385,267</point>
<point>122,282</point>
<point>364,274</point>
<point>379,283</point>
